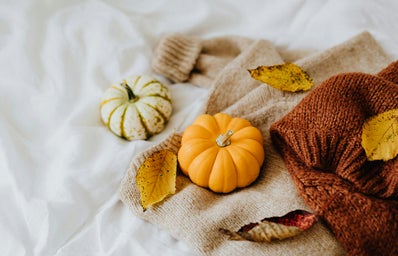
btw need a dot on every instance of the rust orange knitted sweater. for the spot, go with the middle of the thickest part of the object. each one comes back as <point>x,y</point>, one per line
<point>320,141</point>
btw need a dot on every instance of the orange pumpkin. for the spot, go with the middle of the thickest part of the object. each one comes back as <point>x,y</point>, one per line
<point>221,153</point>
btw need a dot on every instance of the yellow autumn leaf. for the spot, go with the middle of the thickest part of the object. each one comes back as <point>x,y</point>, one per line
<point>286,77</point>
<point>380,136</point>
<point>156,177</point>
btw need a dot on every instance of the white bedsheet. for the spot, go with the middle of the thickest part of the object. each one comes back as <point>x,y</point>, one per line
<point>60,168</point>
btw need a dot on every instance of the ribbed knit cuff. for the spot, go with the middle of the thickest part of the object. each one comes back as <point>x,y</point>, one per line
<point>175,57</point>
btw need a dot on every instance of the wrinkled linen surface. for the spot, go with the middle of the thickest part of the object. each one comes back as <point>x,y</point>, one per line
<point>60,168</point>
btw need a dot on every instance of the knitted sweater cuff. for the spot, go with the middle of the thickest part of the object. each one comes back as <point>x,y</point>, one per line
<point>175,57</point>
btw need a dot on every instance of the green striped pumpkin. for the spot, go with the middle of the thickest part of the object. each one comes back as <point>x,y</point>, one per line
<point>136,108</point>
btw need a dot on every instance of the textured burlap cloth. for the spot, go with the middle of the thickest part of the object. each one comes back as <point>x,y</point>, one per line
<point>195,214</point>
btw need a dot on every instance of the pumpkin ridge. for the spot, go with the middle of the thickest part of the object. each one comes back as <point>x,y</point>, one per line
<point>122,131</point>
<point>244,130</point>
<point>244,179</point>
<point>209,130</point>
<point>207,122</point>
<point>138,78</point>
<point>250,152</point>
<point>202,142</point>
<point>112,112</point>
<point>116,87</point>
<point>235,167</point>
<point>191,131</point>
<point>157,110</point>
<point>219,118</point>
<point>109,100</point>
<point>158,95</point>
<point>149,83</point>
<point>236,124</point>
<point>205,152</point>
<point>147,133</point>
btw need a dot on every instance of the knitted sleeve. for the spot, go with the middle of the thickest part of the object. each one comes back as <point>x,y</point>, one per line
<point>188,59</point>
<point>320,141</point>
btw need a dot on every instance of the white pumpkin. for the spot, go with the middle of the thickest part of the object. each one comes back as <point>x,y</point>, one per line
<point>136,108</point>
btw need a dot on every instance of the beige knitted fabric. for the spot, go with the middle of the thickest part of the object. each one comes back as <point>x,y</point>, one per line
<point>195,214</point>
<point>186,59</point>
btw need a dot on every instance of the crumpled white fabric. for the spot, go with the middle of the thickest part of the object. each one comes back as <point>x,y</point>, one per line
<point>60,167</point>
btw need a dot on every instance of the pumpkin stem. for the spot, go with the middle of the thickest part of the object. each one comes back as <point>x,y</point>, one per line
<point>130,92</point>
<point>223,140</point>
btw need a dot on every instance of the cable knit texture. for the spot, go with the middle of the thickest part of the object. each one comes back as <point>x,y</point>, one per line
<point>195,214</point>
<point>320,141</point>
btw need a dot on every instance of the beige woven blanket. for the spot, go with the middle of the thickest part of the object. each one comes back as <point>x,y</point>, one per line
<point>195,214</point>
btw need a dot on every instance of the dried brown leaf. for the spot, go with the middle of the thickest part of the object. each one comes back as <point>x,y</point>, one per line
<point>273,228</point>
